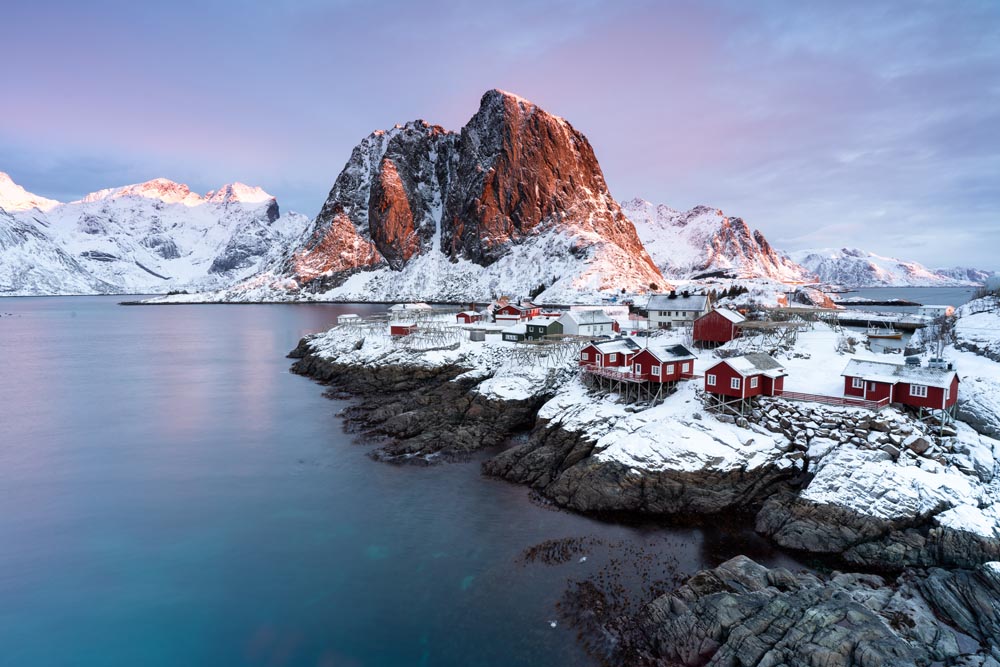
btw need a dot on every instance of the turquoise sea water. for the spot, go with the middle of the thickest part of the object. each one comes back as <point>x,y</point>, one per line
<point>171,495</point>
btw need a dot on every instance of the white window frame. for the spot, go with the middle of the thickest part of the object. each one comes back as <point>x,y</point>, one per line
<point>638,369</point>
<point>918,390</point>
<point>753,382</point>
<point>585,356</point>
<point>670,369</point>
<point>710,379</point>
<point>947,393</point>
<point>686,368</point>
<point>613,357</point>
<point>656,370</point>
<point>734,383</point>
<point>857,383</point>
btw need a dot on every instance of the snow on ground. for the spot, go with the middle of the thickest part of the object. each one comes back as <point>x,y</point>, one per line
<point>665,437</point>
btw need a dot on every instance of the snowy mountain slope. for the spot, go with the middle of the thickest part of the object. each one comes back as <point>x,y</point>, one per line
<point>32,263</point>
<point>963,273</point>
<point>513,202</point>
<point>14,198</point>
<point>159,236</point>
<point>851,267</point>
<point>705,241</point>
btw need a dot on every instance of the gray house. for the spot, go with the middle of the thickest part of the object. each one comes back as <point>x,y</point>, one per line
<point>667,311</point>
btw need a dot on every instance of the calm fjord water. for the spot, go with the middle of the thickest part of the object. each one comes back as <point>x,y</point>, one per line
<point>171,495</point>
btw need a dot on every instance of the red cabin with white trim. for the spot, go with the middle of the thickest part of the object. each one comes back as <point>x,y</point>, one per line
<point>468,317</point>
<point>912,385</point>
<point>668,364</point>
<point>747,376</point>
<point>719,326</point>
<point>609,354</point>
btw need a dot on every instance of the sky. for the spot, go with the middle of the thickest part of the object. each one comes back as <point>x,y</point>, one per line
<point>869,124</point>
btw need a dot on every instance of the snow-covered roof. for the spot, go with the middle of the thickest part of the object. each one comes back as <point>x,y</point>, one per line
<point>516,329</point>
<point>471,313</point>
<point>671,352</point>
<point>891,373</point>
<point>543,320</point>
<point>409,306</point>
<point>755,363</point>
<point>730,315</point>
<point>349,316</point>
<point>625,345</point>
<point>400,323</point>
<point>695,302</point>
<point>588,316</point>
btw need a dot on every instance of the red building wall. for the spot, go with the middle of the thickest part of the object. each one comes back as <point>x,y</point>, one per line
<point>724,375</point>
<point>934,398</point>
<point>714,328</point>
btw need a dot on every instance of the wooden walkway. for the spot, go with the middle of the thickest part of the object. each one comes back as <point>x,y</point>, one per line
<point>841,401</point>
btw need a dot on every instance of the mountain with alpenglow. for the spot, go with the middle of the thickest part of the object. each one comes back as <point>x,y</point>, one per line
<point>704,242</point>
<point>150,237</point>
<point>851,267</point>
<point>515,203</point>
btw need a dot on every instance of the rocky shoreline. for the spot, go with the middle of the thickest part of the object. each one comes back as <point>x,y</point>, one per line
<point>923,614</point>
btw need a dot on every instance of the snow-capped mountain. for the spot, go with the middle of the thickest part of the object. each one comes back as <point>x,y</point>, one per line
<point>851,267</point>
<point>705,241</point>
<point>963,273</point>
<point>514,202</point>
<point>150,237</point>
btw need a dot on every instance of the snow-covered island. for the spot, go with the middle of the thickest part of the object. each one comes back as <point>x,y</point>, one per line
<point>875,488</point>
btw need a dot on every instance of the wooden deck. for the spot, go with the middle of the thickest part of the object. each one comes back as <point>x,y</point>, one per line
<point>841,401</point>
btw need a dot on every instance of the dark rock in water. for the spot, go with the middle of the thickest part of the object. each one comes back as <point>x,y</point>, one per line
<point>425,414</point>
<point>742,613</point>
<point>559,464</point>
<point>870,542</point>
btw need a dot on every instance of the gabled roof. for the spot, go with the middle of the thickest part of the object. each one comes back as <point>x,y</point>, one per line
<point>588,316</point>
<point>891,373</point>
<point>671,353</point>
<point>409,306</point>
<point>755,363</point>
<point>730,315</point>
<point>543,321</point>
<point>695,302</point>
<point>469,312</point>
<point>624,345</point>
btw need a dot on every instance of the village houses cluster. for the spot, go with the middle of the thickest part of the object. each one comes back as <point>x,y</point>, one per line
<point>617,353</point>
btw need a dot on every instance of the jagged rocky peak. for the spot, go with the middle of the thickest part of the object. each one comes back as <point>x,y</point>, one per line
<point>163,189</point>
<point>705,241</point>
<point>512,173</point>
<point>238,193</point>
<point>13,197</point>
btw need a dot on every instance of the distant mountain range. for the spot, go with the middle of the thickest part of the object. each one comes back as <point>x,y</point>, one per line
<point>850,267</point>
<point>515,203</point>
<point>150,237</point>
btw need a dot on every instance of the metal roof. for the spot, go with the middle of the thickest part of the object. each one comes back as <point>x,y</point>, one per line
<point>755,363</point>
<point>695,302</point>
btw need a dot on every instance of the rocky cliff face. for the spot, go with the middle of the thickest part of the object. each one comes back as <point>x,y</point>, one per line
<point>705,241</point>
<point>515,200</point>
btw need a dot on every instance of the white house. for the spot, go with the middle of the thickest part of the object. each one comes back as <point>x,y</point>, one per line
<point>667,311</point>
<point>935,312</point>
<point>586,323</point>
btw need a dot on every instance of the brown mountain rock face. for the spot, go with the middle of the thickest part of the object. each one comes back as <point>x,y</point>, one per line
<point>514,173</point>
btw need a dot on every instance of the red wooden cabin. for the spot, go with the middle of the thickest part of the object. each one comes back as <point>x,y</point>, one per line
<point>912,385</point>
<point>468,317</point>
<point>745,377</point>
<point>616,353</point>
<point>668,364</point>
<point>402,328</point>
<point>718,326</point>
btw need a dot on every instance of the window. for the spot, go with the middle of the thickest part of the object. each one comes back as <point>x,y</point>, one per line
<point>670,369</point>
<point>613,358</point>
<point>947,393</point>
<point>734,383</point>
<point>710,380</point>
<point>857,383</point>
<point>686,367</point>
<point>584,356</point>
<point>918,390</point>
<point>753,382</point>
<point>656,371</point>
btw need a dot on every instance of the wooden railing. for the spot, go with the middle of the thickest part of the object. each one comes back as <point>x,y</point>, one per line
<point>874,406</point>
<point>613,374</point>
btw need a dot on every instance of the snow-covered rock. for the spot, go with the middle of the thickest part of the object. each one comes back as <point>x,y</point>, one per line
<point>851,267</point>
<point>706,241</point>
<point>150,237</point>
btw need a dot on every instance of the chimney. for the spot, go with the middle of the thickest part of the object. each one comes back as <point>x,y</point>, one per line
<point>673,294</point>
<point>687,293</point>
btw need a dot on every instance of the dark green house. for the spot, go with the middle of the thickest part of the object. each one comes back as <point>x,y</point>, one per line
<point>539,327</point>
